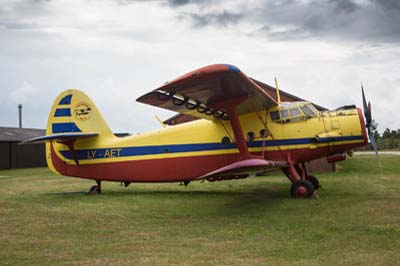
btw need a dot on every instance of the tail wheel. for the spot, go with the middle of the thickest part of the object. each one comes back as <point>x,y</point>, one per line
<point>302,189</point>
<point>314,181</point>
<point>94,190</point>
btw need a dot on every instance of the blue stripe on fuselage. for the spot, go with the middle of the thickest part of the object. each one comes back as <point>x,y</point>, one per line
<point>177,148</point>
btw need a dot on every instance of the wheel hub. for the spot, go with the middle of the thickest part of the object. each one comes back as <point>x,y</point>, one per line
<point>301,191</point>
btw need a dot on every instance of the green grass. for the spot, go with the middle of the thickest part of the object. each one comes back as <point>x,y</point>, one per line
<point>355,220</point>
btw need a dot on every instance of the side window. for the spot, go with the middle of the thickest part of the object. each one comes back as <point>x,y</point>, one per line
<point>285,113</point>
<point>275,116</point>
<point>307,111</point>
<point>295,112</point>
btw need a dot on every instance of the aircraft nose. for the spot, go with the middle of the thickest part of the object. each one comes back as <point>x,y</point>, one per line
<point>362,124</point>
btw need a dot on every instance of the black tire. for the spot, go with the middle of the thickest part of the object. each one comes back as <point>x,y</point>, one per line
<point>94,190</point>
<point>302,189</point>
<point>314,180</point>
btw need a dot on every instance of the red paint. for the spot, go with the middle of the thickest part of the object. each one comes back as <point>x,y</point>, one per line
<point>176,169</point>
<point>201,73</point>
<point>363,128</point>
<point>336,157</point>
<point>239,137</point>
<point>301,191</point>
<point>152,170</point>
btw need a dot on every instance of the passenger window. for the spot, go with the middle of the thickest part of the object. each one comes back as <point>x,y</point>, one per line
<point>275,116</point>
<point>295,112</point>
<point>284,113</point>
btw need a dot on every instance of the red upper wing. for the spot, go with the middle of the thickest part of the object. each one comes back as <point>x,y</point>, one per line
<point>210,87</point>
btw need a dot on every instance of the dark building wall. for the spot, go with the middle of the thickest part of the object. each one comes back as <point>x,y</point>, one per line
<point>5,153</point>
<point>13,155</point>
<point>321,165</point>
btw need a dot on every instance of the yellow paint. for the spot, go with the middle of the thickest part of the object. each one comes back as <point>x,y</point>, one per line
<point>199,131</point>
<point>160,121</point>
<point>278,95</point>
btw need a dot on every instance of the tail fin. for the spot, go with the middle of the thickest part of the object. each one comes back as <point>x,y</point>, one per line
<point>74,112</point>
<point>73,118</point>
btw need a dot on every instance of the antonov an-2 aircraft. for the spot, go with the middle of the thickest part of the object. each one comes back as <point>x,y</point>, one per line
<point>238,130</point>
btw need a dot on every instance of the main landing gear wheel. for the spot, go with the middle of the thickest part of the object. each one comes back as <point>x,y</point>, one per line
<point>314,181</point>
<point>302,189</point>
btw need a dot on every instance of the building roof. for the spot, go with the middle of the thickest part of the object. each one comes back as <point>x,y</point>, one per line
<point>13,134</point>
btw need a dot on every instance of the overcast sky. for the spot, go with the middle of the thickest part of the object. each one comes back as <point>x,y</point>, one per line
<point>117,50</point>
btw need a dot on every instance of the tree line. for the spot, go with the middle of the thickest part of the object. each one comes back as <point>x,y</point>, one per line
<point>390,139</point>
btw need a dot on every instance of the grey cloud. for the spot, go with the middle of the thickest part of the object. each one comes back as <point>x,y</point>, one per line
<point>347,6</point>
<point>388,4</point>
<point>179,3</point>
<point>19,15</point>
<point>371,21</point>
<point>18,25</point>
<point>223,19</point>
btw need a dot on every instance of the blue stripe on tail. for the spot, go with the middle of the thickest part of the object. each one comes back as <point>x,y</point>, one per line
<point>62,112</point>
<point>66,100</point>
<point>65,127</point>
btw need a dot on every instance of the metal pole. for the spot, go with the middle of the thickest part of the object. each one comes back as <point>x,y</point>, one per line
<point>20,115</point>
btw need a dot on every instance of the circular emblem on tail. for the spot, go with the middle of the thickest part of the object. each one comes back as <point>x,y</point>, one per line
<point>83,111</point>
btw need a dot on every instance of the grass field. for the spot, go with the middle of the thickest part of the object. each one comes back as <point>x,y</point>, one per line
<point>47,220</point>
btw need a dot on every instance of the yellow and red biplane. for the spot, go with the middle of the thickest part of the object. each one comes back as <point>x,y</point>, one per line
<point>228,127</point>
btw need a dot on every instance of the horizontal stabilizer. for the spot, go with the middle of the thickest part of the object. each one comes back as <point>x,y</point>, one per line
<point>61,137</point>
<point>248,166</point>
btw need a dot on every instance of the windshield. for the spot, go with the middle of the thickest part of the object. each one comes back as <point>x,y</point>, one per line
<point>294,111</point>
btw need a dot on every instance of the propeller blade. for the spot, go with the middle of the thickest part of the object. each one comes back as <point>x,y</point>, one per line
<point>375,147</point>
<point>366,108</point>
<point>364,100</point>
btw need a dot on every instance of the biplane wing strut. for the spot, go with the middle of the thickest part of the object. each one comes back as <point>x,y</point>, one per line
<point>230,108</point>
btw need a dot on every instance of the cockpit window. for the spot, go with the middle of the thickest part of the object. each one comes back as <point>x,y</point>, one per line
<point>293,111</point>
<point>307,111</point>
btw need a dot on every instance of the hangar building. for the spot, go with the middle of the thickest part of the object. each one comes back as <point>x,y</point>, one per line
<point>13,155</point>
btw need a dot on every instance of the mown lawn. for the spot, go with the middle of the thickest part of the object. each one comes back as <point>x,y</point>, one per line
<point>47,220</point>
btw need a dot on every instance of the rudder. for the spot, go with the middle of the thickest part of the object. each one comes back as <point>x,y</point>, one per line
<point>72,112</point>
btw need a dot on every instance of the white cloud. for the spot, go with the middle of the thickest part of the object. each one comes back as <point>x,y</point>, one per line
<point>115,53</point>
<point>24,94</point>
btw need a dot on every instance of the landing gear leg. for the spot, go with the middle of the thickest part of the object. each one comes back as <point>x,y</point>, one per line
<point>96,189</point>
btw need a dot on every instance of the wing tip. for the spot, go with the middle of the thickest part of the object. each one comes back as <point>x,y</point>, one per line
<point>232,68</point>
